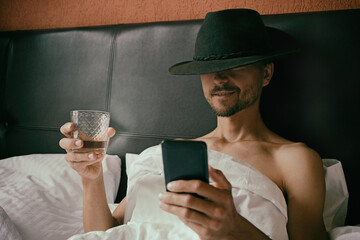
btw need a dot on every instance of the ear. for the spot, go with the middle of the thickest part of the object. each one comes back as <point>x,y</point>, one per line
<point>268,73</point>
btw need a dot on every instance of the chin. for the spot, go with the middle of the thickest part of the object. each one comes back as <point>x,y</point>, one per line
<point>226,112</point>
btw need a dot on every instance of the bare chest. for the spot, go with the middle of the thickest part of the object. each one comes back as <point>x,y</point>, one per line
<point>262,156</point>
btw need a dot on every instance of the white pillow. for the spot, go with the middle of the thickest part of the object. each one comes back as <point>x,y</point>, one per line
<point>53,169</point>
<point>345,233</point>
<point>43,195</point>
<point>7,228</point>
<point>337,195</point>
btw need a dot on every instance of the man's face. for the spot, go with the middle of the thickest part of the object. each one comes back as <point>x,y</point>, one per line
<point>228,92</point>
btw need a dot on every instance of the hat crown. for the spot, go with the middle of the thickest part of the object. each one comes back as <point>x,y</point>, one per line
<point>229,34</point>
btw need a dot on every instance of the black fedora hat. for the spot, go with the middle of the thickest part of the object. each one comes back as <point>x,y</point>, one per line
<point>232,38</point>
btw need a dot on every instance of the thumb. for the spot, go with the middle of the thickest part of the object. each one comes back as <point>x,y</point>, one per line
<point>219,179</point>
<point>111,132</point>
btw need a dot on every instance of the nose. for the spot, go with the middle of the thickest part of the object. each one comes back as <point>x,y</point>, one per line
<point>220,77</point>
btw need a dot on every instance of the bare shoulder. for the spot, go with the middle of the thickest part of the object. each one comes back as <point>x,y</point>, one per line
<point>297,154</point>
<point>304,185</point>
<point>300,165</point>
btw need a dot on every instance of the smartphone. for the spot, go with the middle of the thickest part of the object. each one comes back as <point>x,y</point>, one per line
<point>185,160</point>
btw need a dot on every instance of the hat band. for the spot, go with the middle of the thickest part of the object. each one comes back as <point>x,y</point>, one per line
<point>227,55</point>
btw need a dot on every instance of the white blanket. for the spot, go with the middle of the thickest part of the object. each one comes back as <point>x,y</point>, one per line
<point>256,198</point>
<point>42,197</point>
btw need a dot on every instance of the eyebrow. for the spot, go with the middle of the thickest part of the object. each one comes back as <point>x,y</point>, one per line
<point>238,68</point>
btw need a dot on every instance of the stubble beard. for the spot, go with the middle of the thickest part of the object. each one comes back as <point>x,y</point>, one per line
<point>245,99</point>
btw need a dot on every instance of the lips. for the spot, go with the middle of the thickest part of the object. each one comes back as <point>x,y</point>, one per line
<point>223,93</point>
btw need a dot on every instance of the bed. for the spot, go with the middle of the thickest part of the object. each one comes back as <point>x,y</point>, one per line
<point>122,69</point>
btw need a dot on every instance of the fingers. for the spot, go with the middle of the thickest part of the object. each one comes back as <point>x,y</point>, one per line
<point>201,230</point>
<point>82,164</point>
<point>208,217</point>
<point>198,187</point>
<point>186,214</point>
<point>186,203</point>
<point>203,223</point>
<point>219,179</point>
<point>111,132</point>
<point>70,143</point>
<point>87,166</point>
<point>89,158</point>
<point>67,128</point>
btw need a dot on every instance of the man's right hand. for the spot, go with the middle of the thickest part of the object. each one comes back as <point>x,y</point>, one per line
<point>88,165</point>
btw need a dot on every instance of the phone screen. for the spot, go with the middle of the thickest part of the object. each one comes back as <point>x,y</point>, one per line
<point>185,160</point>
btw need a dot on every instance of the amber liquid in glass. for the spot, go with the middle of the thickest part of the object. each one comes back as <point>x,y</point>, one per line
<point>92,146</point>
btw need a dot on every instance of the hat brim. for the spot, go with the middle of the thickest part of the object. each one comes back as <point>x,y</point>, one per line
<point>282,44</point>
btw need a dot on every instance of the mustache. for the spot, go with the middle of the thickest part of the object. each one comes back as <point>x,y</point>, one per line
<point>224,88</point>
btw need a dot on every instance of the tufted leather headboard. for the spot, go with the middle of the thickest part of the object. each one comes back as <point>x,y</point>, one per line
<point>313,97</point>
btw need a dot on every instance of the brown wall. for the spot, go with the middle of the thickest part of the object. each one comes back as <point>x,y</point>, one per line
<point>43,14</point>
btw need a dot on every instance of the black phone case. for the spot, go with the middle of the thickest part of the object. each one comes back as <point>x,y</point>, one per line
<point>185,160</point>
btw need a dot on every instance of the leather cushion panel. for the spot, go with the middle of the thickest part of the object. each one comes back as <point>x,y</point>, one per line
<point>145,98</point>
<point>51,73</point>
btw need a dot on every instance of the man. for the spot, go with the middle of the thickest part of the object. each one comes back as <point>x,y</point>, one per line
<point>233,56</point>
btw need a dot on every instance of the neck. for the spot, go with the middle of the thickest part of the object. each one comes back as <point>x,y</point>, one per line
<point>244,125</point>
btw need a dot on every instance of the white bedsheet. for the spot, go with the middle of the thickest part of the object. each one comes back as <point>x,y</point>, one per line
<point>256,197</point>
<point>42,196</point>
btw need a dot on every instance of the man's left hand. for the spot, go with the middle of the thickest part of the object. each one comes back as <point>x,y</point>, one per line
<point>214,216</point>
